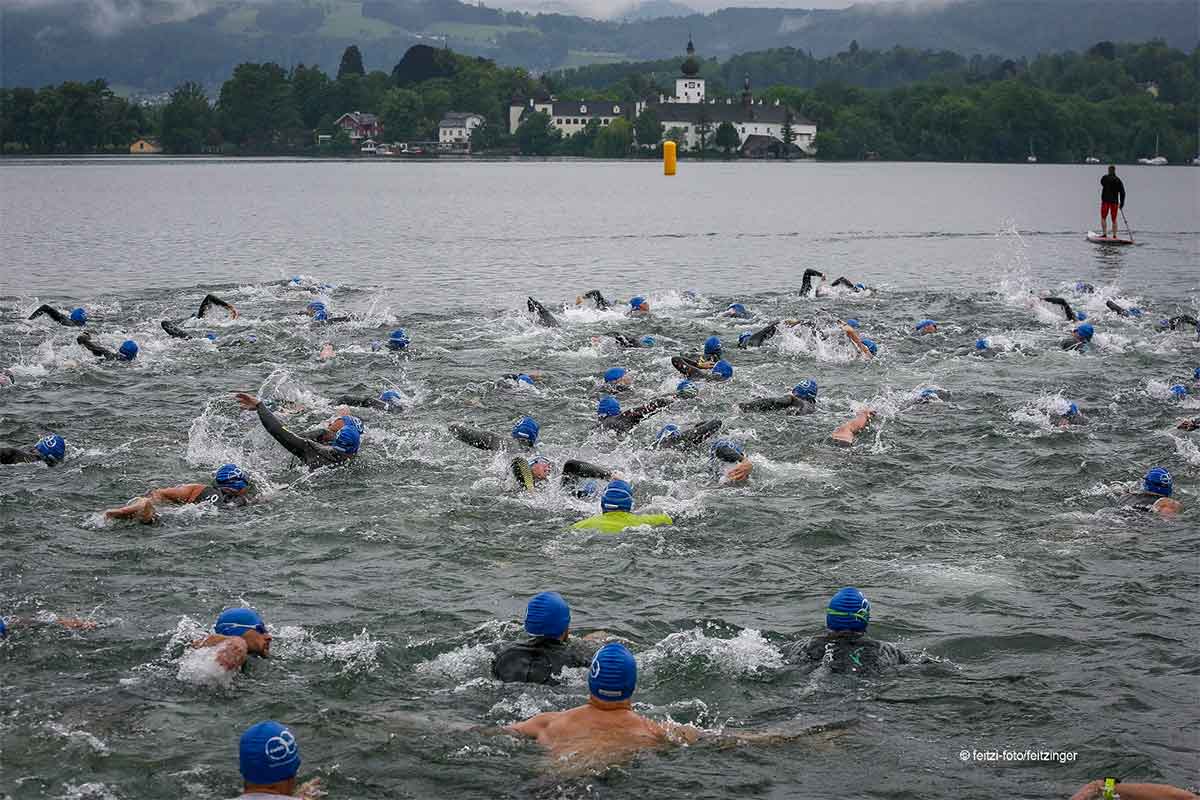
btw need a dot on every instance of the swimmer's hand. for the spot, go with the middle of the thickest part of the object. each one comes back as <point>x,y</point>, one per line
<point>596,636</point>
<point>1166,506</point>
<point>76,624</point>
<point>740,471</point>
<point>1189,425</point>
<point>310,790</point>
<point>247,401</point>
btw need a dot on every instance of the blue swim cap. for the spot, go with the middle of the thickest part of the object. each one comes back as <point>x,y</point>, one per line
<point>228,476</point>
<point>236,621</point>
<point>547,615</point>
<point>608,407</point>
<point>526,430</point>
<point>320,314</point>
<point>726,443</point>
<point>712,346</point>
<point>853,323</point>
<point>128,350</point>
<point>295,279</point>
<point>398,339</point>
<point>587,489</point>
<point>870,345</point>
<point>848,611</point>
<point>1196,373</point>
<point>928,392</point>
<point>805,388</point>
<point>981,344</point>
<point>860,286</point>
<point>617,497</point>
<point>523,378</point>
<point>1179,390</point>
<point>52,447</point>
<point>3,628</point>
<point>1164,323</point>
<point>316,305</point>
<point>647,341</point>
<point>686,388</point>
<point>613,675</point>
<point>737,308</point>
<point>355,422</point>
<point>391,396</point>
<point>349,437</point>
<point>1086,331</point>
<point>723,368</point>
<point>1072,410</point>
<point>742,337</point>
<point>666,432</point>
<point>637,301</point>
<point>1081,315</point>
<point>614,374</point>
<point>79,316</point>
<point>268,754</point>
<point>925,323</point>
<point>212,337</point>
<point>1135,312</point>
<point>1158,481</point>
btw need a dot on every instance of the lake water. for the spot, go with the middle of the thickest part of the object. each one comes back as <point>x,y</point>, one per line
<point>990,542</point>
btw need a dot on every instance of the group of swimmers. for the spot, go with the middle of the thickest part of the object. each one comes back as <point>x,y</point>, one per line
<point>607,722</point>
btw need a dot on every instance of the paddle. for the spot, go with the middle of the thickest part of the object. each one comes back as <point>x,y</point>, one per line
<point>1126,221</point>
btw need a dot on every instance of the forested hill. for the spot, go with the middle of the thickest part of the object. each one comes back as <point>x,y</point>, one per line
<point>156,44</point>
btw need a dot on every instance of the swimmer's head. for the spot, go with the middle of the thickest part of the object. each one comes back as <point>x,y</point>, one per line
<point>391,397</point>
<point>212,337</point>
<point>128,350</point>
<point>712,346</point>
<point>848,611</point>
<point>982,344</point>
<point>78,316</point>
<point>1072,410</point>
<point>686,388</point>
<point>1164,323</point>
<point>805,389</point>
<point>613,675</point>
<point>523,378</point>
<point>853,323</point>
<point>725,444</point>
<point>723,369</point>
<point>526,430</point>
<point>639,305</point>
<point>588,489</point>
<point>618,375</point>
<point>230,479</point>
<point>647,341</point>
<point>860,286</point>
<point>1196,374</point>
<point>929,393</point>
<point>1158,481</point>
<point>1085,288</point>
<point>3,628</point>
<point>398,340</point>
<point>668,431</point>
<point>295,279</point>
<point>349,437</point>
<point>1179,390</point>
<point>744,337</point>
<point>617,497</point>
<point>1085,332</point>
<point>236,621</point>
<point>52,448</point>
<point>6,378</point>
<point>926,326</point>
<point>539,467</point>
<point>267,754</point>
<point>736,310</point>
<point>1135,311</point>
<point>1081,315</point>
<point>547,615</point>
<point>316,307</point>
<point>608,407</point>
<point>870,345</point>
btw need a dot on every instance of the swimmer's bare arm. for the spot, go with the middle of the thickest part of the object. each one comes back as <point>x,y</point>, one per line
<point>534,726</point>
<point>854,338</point>
<point>230,652</point>
<point>1166,506</point>
<point>1134,791</point>
<point>846,432</point>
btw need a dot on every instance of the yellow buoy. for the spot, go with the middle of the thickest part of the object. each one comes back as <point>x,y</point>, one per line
<point>668,158</point>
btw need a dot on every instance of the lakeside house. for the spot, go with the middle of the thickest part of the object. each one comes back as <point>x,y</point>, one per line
<point>454,131</point>
<point>360,125</point>
<point>570,117</point>
<point>145,146</point>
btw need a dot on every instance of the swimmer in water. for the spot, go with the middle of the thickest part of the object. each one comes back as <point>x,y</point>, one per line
<point>844,434</point>
<point>926,326</point>
<point>695,370</point>
<point>320,313</point>
<point>7,378</point>
<point>631,342</point>
<point>398,340</point>
<point>1063,417</point>
<point>671,437</point>
<point>10,625</point>
<point>865,347</point>
<point>517,379</point>
<point>269,758</point>
<point>844,646</point>
<point>210,300</point>
<point>610,416</point>
<point>533,472</point>
<point>729,460</point>
<point>1177,323</point>
<point>1110,788</point>
<point>230,488</point>
<point>639,307</point>
<point>845,283</point>
<point>1080,338</point>
<point>802,399</point>
<point>525,434</point>
<point>1132,311</point>
<point>51,449</point>
<point>77,318</point>
<point>541,658</point>
<point>126,352</point>
<point>1157,488</point>
<point>606,727</point>
<point>237,633</point>
<point>1083,287</point>
<point>806,282</point>
<point>388,401</point>
<point>1066,308</point>
<point>597,300</point>
<point>616,511</point>
<point>541,315</point>
<point>756,338</point>
<point>737,311</point>
<point>345,431</point>
<point>617,380</point>
<point>983,348</point>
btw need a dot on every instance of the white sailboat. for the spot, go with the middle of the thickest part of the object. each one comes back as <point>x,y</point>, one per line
<point>1091,160</point>
<point>1157,161</point>
<point>1031,158</point>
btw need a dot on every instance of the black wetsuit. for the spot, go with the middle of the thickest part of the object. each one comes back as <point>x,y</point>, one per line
<point>846,651</point>
<point>15,455</point>
<point>758,337</point>
<point>627,419</point>
<point>625,341</point>
<point>216,497</point>
<point>797,405</point>
<point>544,317</point>
<point>484,440</point>
<point>692,437</point>
<point>370,402</point>
<point>541,659</point>
<point>597,298</point>
<point>210,300</point>
<point>574,471</point>
<point>311,452</point>
<point>1072,344</point>
<point>843,281</point>
<point>1147,501</point>
<point>1112,190</point>
<point>691,369</point>
<point>1183,319</point>
<point>1124,312</point>
<point>56,315</point>
<point>806,283</point>
<point>1066,307</point>
<point>95,349</point>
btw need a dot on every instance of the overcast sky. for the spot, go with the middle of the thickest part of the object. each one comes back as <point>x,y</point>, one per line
<point>610,8</point>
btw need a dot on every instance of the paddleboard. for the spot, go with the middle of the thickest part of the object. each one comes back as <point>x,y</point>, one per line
<point>1096,238</point>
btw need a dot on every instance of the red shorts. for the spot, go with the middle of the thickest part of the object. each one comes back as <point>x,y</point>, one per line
<point>1108,210</point>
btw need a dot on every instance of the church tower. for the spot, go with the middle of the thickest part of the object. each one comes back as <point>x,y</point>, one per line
<point>689,88</point>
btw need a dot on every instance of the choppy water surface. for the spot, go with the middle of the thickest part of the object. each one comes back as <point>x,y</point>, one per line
<point>985,537</point>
